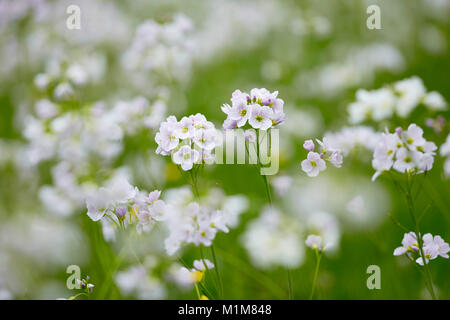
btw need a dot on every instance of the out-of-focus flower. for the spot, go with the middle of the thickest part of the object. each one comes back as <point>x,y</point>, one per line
<point>315,242</point>
<point>273,240</point>
<point>138,281</point>
<point>192,223</point>
<point>445,152</point>
<point>282,184</point>
<point>124,204</point>
<point>400,98</point>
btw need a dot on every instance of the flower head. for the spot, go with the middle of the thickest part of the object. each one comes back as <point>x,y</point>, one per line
<point>313,164</point>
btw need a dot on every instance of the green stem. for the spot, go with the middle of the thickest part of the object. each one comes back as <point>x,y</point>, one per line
<point>290,291</point>
<point>411,210</point>
<point>316,273</point>
<point>216,267</point>
<point>198,292</point>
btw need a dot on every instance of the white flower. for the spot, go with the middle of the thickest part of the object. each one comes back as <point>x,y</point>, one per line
<point>261,108</point>
<point>272,240</point>
<point>186,157</point>
<point>313,164</point>
<point>185,128</point>
<point>261,117</point>
<point>413,136</point>
<point>46,109</point>
<point>435,101</point>
<point>97,204</point>
<point>403,151</point>
<point>250,135</point>
<point>336,159</point>
<point>200,265</point>
<point>405,160</point>
<point>282,184</point>
<point>167,138</point>
<point>410,93</point>
<point>409,244</point>
<point>443,247</point>
<point>433,247</point>
<point>308,145</point>
<point>63,91</point>
<point>205,139</point>
<point>189,222</point>
<point>137,281</point>
<point>241,113</point>
<point>445,148</point>
<point>192,130</point>
<point>315,242</point>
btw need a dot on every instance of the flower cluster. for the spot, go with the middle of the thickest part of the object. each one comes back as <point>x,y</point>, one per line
<point>164,49</point>
<point>400,98</point>
<point>349,138</point>
<point>85,284</point>
<point>123,204</point>
<point>315,161</point>
<point>404,151</point>
<point>138,113</point>
<point>432,247</point>
<point>261,109</point>
<point>445,152</point>
<point>192,223</point>
<point>60,78</point>
<point>190,141</point>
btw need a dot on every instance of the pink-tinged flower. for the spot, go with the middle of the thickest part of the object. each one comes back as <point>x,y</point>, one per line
<point>261,117</point>
<point>250,135</point>
<point>241,113</point>
<point>279,117</point>
<point>443,247</point>
<point>205,139</point>
<point>413,136</point>
<point>186,157</point>
<point>308,145</point>
<point>202,265</point>
<point>405,160</point>
<point>185,128</point>
<point>315,242</point>
<point>409,244</point>
<point>153,196</point>
<point>437,244</point>
<point>229,124</point>
<point>313,164</point>
<point>167,138</point>
<point>199,122</point>
<point>336,159</point>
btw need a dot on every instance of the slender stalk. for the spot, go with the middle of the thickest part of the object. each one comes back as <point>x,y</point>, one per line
<point>411,209</point>
<point>290,291</point>
<point>207,270</point>
<point>194,183</point>
<point>198,292</point>
<point>252,273</point>
<point>216,267</point>
<point>316,273</point>
<point>269,198</point>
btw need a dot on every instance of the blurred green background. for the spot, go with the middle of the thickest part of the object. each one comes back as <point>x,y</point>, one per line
<point>284,49</point>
